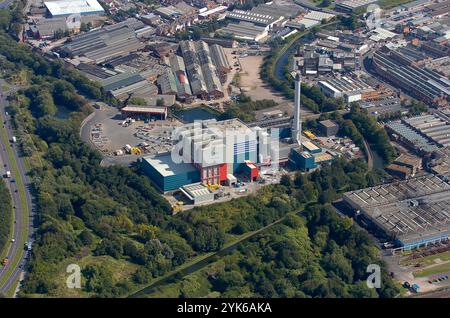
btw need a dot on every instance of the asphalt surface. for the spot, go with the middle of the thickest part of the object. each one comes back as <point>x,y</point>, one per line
<point>17,246</point>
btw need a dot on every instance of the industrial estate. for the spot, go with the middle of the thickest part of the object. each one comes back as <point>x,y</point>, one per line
<point>209,106</point>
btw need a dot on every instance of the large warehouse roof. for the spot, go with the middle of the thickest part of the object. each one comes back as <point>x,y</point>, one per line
<point>166,167</point>
<point>66,7</point>
<point>413,210</point>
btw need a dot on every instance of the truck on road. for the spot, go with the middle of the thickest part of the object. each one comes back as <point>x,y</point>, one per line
<point>8,174</point>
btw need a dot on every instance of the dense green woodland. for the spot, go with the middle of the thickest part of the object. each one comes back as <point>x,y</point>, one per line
<point>119,228</point>
<point>318,255</point>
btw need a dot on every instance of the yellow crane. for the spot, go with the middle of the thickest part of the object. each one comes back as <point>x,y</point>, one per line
<point>177,208</point>
<point>213,187</point>
<point>136,150</point>
<point>309,134</point>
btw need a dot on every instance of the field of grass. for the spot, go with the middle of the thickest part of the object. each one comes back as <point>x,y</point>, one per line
<point>433,270</point>
<point>428,260</point>
<point>318,3</point>
<point>389,4</point>
<point>120,269</point>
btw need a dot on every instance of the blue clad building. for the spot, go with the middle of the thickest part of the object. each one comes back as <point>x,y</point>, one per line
<point>167,175</point>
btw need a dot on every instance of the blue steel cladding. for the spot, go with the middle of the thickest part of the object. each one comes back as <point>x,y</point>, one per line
<point>244,147</point>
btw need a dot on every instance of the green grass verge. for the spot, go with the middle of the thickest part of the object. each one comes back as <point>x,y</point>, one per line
<point>428,260</point>
<point>23,199</point>
<point>5,249</point>
<point>433,270</point>
<point>10,234</point>
<point>10,293</point>
<point>389,4</point>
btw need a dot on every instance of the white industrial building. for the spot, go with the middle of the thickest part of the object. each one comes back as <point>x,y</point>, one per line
<point>68,7</point>
<point>348,88</point>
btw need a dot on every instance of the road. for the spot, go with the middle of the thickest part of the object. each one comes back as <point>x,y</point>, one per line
<point>10,274</point>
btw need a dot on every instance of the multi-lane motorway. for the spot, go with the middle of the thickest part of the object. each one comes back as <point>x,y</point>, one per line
<point>22,201</point>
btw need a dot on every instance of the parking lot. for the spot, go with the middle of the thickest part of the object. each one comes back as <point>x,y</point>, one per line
<point>107,132</point>
<point>428,267</point>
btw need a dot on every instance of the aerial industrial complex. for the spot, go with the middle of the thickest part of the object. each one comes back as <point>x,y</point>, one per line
<point>423,83</point>
<point>212,152</point>
<point>414,213</point>
<point>197,95</point>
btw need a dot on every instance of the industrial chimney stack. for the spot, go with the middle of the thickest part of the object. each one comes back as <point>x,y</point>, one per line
<point>297,124</point>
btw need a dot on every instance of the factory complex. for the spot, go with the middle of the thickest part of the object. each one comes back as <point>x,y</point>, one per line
<point>423,83</point>
<point>215,153</point>
<point>212,152</point>
<point>413,213</point>
<point>422,134</point>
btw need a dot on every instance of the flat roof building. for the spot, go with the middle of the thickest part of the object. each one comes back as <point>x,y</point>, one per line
<point>144,111</point>
<point>66,7</point>
<point>328,127</point>
<point>435,127</point>
<point>422,83</point>
<point>168,175</point>
<point>207,152</point>
<point>350,6</point>
<point>245,31</point>
<point>410,137</point>
<point>197,193</point>
<point>413,212</point>
<point>258,19</point>
<point>345,87</point>
<point>121,80</point>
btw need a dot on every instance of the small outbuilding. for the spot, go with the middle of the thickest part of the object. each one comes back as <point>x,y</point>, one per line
<point>328,127</point>
<point>197,193</point>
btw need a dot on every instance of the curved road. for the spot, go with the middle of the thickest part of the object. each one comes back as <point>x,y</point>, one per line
<point>19,186</point>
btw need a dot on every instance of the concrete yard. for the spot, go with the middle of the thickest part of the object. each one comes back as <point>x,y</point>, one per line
<point>104,131</point>
<point>405,270</point>
<point>228,192</point>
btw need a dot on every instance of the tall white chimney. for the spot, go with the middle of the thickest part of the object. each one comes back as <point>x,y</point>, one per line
<point>297,124</point>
